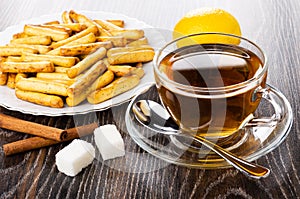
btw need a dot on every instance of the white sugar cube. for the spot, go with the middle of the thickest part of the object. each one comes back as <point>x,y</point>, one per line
<point>74,157</point>
<point>109,141</point>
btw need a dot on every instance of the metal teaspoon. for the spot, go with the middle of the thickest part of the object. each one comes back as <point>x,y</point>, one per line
<point>153,116</point>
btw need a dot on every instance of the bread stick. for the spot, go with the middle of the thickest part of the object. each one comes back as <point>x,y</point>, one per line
<point>15,51</point>
<point>3,78</point>
<point>40,98</point>
<point>86,62</point>
<point>42,86</point>
<point>62,29</point>
<point>54,22</point>
<point>87,78</point>
<point>131,57</point>
<point>107,25</point>
<point>20,35</point>
<point>55,59</point>
<point>66,18</point>
<point>14,59</point>
<point>100,82</point>
<point>20,76</point>
<point>84,19</point>
<point>11,80</point>
<point>53,76</point>
<point>42,31</point>
<point>33,40</point>
<point>60,69</point>
<point>117,41</point>
<point>42,49</point>
<point>91,29</point>
<point>123,70</point>
<point>117,22</point>
<point>139,42</point>
<point>115,88</point>
<point>130,34</point>
<point>75,27</point>
<point>128,49</point>
<point>27,67</point>
<point>84,49</point>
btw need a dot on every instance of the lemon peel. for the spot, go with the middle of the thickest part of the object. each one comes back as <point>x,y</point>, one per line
<point>205,20</point>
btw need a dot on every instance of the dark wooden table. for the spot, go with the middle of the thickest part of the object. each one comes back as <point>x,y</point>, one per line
<point>273,24</point>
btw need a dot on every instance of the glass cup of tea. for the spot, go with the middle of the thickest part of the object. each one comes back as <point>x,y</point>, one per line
<point>211,88</point>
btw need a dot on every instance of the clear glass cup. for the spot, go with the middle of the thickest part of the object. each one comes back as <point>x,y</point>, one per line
<point>211,89</point>
<point>247,117</point>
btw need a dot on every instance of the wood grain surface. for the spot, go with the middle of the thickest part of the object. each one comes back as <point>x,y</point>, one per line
<point>273,24</point>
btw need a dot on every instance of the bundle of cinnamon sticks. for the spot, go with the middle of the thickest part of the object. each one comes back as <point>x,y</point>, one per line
<point>43,135</point>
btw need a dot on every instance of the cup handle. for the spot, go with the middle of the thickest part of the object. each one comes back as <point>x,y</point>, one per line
<point>281,108</point>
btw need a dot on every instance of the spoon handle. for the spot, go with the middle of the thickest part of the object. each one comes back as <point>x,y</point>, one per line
<point>250,169</point>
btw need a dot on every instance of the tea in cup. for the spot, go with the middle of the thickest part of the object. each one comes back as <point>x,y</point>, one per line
<point>211,89</point>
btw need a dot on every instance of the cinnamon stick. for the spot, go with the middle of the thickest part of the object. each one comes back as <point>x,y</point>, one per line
<point>39,142</point>
<point>23,126</point>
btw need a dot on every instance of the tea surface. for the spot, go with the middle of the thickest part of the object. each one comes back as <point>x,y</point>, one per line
<point>211,65</point>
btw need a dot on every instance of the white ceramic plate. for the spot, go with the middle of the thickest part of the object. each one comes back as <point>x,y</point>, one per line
<point>10,101</point>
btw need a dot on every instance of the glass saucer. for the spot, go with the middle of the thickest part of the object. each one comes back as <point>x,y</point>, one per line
<point>253,142</point>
